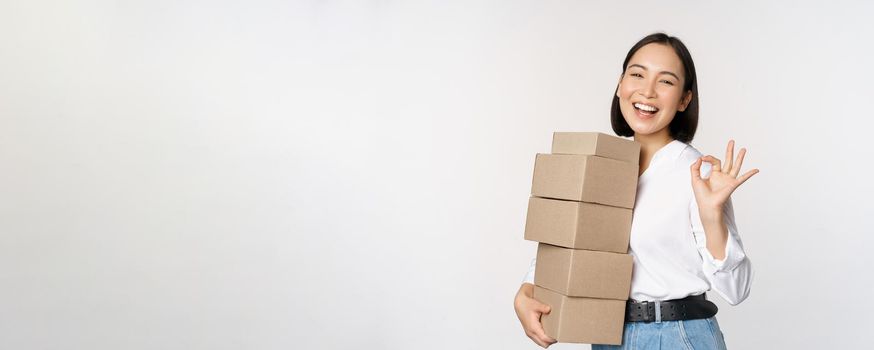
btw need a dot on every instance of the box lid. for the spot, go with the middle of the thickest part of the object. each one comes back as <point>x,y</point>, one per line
<point>596,143</point>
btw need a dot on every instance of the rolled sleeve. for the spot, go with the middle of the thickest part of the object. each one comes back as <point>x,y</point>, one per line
<point>734,256</point>
<point>732,276</point>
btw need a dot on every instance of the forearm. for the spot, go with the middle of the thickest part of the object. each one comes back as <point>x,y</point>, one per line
<point>716,232</point>
<point>724,261</point>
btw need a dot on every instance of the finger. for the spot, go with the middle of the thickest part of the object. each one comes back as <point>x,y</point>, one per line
<point>539,332</point>
<point>729,155</point>
<point>549,341</point>
<point>715,162</point>
<point>538,335</point>
<point>747,176</point>
<point>739,163</point>
<point>542,337</point>
<point>696,170</point>
<point>542,308</point>
<point>537,340</point>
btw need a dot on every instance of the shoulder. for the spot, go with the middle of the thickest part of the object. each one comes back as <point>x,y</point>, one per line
<point>688,155</point>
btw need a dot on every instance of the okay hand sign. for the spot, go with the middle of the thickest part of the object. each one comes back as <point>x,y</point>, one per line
<point>714,191</point>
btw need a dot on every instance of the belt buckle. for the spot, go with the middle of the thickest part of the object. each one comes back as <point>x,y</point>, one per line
<point>646,316</point>
<point>655,315</point>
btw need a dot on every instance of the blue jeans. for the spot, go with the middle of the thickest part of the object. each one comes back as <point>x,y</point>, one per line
<point>700,334</point>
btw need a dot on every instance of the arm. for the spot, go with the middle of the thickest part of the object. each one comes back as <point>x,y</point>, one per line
<point>725,263</point>
<point>529,310</point>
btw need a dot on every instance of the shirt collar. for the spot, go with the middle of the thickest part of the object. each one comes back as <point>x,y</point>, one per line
<point>670,151</point>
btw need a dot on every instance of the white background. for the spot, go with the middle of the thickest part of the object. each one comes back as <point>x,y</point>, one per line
<point>341,174</point>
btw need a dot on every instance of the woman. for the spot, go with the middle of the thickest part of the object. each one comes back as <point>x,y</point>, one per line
<point>683,235</point>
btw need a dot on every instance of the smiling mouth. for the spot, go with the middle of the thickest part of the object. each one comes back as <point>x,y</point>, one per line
<point>645,109</point>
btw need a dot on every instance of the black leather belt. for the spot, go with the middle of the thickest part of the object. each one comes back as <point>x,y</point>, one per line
<point>689,308</point>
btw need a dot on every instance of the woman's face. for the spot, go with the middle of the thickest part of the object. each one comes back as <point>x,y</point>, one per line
<point>651,89</point>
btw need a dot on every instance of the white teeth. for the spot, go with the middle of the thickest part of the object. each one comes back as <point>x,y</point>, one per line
<point>645,107</point>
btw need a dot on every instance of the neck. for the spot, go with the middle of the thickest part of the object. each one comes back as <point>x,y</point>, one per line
<point>650,144</point>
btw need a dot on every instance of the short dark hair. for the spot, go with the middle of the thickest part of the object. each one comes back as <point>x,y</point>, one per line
<point>685,123</point>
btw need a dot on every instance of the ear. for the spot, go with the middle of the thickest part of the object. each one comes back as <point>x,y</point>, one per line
<point>687,98</point>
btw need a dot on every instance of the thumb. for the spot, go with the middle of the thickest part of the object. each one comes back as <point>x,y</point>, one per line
<point>542,308</point>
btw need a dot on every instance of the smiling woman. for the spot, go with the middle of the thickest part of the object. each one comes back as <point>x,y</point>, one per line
<point>661,70</point>
<point>684,240</point>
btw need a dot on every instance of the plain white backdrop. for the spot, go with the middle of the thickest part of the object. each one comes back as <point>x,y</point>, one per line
<point>355,174</point>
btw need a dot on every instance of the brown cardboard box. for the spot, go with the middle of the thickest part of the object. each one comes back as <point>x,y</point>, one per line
<point>595,143</point>
<point>585,178</point>
<point>582,320</point>
<point>578,225</point>
<point>583,273</point>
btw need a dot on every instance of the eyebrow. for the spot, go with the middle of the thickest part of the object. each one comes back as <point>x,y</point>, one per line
<point>662,72</point>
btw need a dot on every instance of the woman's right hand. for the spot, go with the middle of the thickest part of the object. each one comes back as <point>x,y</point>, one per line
<point>529,311</point>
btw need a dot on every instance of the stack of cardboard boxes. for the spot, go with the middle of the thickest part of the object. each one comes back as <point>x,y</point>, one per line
<point>580,211</point>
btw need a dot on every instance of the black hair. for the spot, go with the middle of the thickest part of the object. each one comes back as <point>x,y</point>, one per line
<point>685,123</point>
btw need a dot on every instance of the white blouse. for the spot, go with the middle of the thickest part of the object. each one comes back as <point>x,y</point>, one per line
<point>668,244</point>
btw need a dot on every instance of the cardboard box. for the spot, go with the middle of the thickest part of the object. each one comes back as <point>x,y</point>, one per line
<point>583,273</point>
<point>582,320</point>
<point>595,143</point>
<point>578,225</point>
<point>585,178</point>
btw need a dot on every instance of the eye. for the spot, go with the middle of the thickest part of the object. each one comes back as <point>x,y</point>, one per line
<point>636,75</point>
<point>668,82</point>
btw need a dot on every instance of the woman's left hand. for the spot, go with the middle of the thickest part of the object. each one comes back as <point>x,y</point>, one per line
<point>712,192</point>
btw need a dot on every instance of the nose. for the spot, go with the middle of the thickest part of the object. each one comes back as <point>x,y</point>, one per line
<point>648,90</point>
